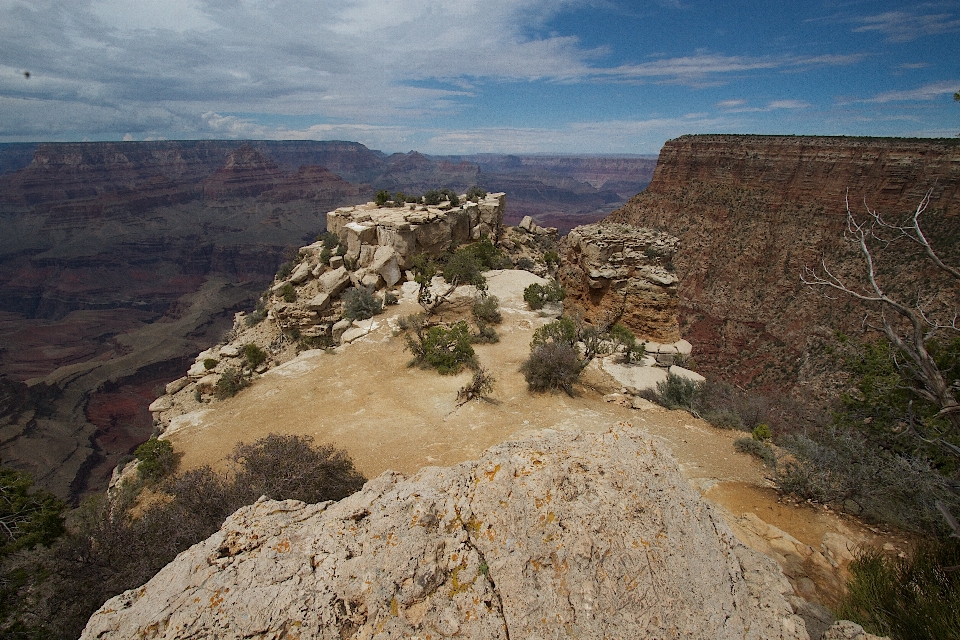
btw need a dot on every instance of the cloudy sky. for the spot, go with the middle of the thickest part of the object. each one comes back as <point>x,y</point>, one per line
<point>464,76</point>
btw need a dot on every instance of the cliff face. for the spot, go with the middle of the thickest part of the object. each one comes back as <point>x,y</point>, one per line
<point>618,273</point>
<point>602,537</point>
<point>752,211</point>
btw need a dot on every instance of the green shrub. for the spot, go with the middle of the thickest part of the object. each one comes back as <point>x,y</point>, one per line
<point>475,194</point>
<point>914,598</point>
<point>288,293</point>
<point>432,197</point>
<point>157,459</point>
<point>289,467</point>
<point>254,355</point>
<point>255,318</point>
<point>552,365</point>
<point>842,468</point>
<point>381,198</point>
<point>723,418</point>
<point>525,263</point>
<point>284,271</point>
<point>230,383</point>
<point>465,266</point>
<point>447,349</point>
<point>551,257</point>
<point>487,310</point>
<point>757,449</point>
<point>677,393</point>
<point>209,363</point>
<point>762,433</point>
<point>536,295</point>
<point>561,331</point>
<point>390,298</point>
<point>360,303</point>
<point>330,240</point>
<point>485,334</point>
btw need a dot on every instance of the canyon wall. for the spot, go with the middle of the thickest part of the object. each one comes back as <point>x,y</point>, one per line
<point>752,211</point>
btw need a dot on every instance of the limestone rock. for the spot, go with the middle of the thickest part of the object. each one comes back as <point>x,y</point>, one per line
<point>230,351</point>
<point>334,282</point>
<point>566,534</point>
<point>301,273</point>
<point>177,385</point>
<point>617,271</point>
<point>846,630</point>
<point>319,303</point>
<point>386,264</point>
<point>163,403</point>
<point>686,374</point>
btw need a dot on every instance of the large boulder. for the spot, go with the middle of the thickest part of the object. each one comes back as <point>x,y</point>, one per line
<point>334,282</point>
<point>617,272</point>
<point>563,535</point>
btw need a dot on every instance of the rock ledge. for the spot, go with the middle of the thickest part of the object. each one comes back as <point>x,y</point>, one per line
<point>579,534</point>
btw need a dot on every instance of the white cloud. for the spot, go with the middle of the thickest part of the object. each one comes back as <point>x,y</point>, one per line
<point>926,92</point>
<point>900,26</point>
<point>740,106</point>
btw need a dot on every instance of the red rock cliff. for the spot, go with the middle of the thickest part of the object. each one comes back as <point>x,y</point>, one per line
<point>752,211</point>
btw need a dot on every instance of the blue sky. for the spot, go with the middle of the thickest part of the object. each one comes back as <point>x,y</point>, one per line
<point>467,76</point>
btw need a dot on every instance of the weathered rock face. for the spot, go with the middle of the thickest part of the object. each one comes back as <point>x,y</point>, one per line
<point>752,211</point>
<point>602,538</point>
<point>617,272</point>
<point>414,229</point>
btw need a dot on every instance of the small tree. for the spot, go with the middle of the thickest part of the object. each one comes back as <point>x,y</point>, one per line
<point>914,329</point>
<point>447,349</point>
<point>28,516</point>
<point>157,459</point>
<point>552,365</point>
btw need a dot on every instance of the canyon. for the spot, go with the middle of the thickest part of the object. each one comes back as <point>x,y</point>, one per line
<point>752,211</point>
<point>119,261</point>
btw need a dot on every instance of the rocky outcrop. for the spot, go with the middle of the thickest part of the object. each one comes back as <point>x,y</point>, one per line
<point>414,229</point>
<point>602,538</point>
<point>620,273</point>
<point>752,211</point>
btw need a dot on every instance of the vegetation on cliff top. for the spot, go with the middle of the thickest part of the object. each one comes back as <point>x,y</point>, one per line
<point>119,542</point>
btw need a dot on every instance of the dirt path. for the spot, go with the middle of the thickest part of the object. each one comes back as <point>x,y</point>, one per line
<point>387,415</point>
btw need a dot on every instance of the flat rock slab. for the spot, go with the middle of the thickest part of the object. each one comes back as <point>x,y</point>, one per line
<point>637,376</point>
<point>570,534</point>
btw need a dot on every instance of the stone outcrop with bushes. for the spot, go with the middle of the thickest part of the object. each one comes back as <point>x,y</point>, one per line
<point>621,273</point>
<point>330,291</point>
<point>603,538</point>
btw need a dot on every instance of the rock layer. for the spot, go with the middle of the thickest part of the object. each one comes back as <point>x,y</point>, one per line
<point>620,273</point>
<point>602,538</point>
<point>752,211</point>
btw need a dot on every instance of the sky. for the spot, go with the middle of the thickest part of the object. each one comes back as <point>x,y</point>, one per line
<point>476,76</point>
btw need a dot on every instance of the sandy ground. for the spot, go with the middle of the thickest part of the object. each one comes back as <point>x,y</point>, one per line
<point>388,415</point>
